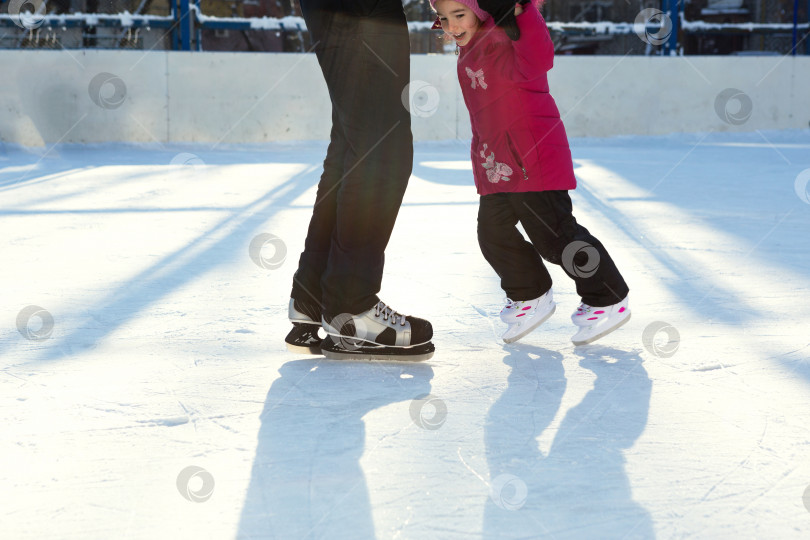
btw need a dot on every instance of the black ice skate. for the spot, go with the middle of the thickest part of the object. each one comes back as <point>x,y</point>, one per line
<point>377,334</point>
<point>305,318</point>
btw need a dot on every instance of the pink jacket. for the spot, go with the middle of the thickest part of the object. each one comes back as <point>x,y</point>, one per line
<point>519,142</point>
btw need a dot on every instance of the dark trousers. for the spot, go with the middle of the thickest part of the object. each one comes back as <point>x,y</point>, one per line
<point>554,235</point>
<point>364,53</point>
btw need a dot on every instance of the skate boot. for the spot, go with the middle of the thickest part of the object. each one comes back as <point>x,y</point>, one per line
<point>524,316</point>
<point>597,322</point>
<point>377,334</point>
<point>305,318</point>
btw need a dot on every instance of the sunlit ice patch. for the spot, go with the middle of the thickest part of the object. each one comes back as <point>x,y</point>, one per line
<point>447,165</point>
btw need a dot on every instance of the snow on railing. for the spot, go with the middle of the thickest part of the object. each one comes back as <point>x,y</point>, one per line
<point>181,31</point>
<point>698,26</point>
<point>253,23</point>
<point>126,19</point>
<point>606,27</point>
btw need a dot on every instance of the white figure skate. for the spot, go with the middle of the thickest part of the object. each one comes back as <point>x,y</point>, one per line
<point>524,316</point>
<point>597,322</point>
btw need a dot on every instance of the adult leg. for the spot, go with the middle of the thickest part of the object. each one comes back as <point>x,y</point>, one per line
<point>365,60</point>
<point>548,220</point>
<point>522,272</point>
<point>366,76</point>
<point>312,263</point>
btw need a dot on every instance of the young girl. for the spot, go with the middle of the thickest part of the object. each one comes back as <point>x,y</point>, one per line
<point>523,170</point>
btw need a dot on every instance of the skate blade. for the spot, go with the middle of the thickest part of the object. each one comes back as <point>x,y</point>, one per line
<point>417,353</point>
<point>602,334</point>
<point>305,349</point>
<point>531,327</point>
<point>303,339</point>
<point>333,355</point>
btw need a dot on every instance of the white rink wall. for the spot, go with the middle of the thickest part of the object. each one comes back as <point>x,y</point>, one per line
<point>97,96</point>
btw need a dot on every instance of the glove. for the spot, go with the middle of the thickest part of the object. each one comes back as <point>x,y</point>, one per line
<point>503,12</point>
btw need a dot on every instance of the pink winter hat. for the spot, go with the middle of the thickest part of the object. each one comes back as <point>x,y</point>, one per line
<point>472,4</point>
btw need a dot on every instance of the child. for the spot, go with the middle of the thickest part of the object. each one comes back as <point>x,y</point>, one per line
<point>523,170</point>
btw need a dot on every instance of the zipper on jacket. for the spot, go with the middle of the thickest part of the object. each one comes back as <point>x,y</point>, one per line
<point>516,156</point>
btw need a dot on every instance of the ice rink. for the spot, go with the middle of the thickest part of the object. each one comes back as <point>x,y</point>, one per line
<point>146,391</point>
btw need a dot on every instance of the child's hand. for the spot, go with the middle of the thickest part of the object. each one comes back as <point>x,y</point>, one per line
<point>518,9</point>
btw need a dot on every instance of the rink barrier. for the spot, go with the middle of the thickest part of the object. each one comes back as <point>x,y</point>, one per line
<point>662,27</point>
<point>94,96</point>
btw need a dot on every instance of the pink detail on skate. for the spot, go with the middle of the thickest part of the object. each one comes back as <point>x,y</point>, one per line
<point>520,315</point>
<point>527,307</point>
<point>593,318</point>
<point>621,310</point>
<point>598,312</point>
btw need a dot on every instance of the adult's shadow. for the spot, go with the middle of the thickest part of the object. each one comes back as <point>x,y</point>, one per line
<point>306,480</point>
<point>580,489</point>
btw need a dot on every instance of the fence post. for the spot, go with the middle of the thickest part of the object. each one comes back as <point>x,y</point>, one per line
<point>673,12</point>
<point>173,29</point>
<point>185,26</point>
<point>795,27</point>
<point>198,27</point>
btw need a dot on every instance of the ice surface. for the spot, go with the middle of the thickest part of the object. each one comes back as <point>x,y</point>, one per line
<point>148,393</point>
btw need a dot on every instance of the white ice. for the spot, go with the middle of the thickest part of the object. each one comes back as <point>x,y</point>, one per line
<point>166,352</point>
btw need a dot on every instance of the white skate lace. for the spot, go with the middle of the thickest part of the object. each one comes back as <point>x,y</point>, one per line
<point>388,312</point>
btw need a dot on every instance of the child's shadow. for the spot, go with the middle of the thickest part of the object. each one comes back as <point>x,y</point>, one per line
<point>580,489</point>
<point>307,481</point>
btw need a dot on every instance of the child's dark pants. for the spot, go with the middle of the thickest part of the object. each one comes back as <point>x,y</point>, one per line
<point>555,236</point>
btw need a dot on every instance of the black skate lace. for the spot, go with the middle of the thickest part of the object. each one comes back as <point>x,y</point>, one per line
<point>388,312</point>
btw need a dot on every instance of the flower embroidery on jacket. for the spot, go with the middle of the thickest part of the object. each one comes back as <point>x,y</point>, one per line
<point>477,78</point>
<point>495,171</point>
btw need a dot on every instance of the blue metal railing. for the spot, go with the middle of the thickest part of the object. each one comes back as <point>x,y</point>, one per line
<point>186,22</point>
